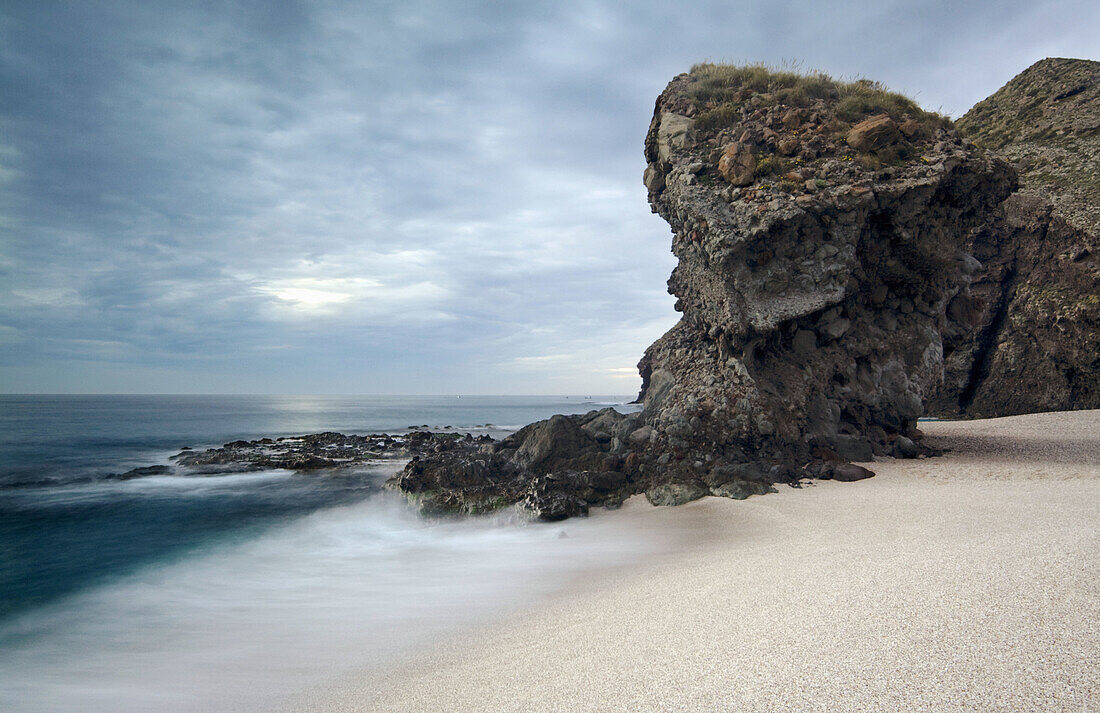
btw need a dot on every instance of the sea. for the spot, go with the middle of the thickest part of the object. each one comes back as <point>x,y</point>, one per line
<point>239,591</point>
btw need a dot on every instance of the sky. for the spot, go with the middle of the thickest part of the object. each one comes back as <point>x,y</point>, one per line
<point>401,197</point>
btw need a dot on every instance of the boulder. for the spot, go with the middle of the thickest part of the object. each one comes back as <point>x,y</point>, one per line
<point>740,489</point>
<point>674,133</point>
<point>873,134</point>
<point>737,164</point>
<point>675,493</point>
<point>849,472</point>
<point>542,445</point>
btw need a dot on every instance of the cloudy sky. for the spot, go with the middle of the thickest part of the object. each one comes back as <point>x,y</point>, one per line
<point>390,197</point>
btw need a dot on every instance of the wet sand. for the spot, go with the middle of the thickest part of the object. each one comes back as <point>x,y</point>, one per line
<point>962,583</point>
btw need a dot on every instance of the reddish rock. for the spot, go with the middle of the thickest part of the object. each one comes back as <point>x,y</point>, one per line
<point>910,129</point>
<point>790,146</point>
<point>737,164</point>
<point>873,134</point>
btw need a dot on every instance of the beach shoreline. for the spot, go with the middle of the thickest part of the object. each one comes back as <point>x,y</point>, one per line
<point>965,582</point>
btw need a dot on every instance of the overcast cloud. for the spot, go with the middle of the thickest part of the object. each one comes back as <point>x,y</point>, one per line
<point>390,197</point>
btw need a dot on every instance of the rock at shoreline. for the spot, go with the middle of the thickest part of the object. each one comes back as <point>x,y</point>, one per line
<point>811,318</point>
<point>818,227</point>
<point>141,472</point>
<point>314,452</point>
<point>556,468</point>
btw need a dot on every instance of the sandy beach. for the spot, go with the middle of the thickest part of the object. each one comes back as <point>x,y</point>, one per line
<point>969,582</point>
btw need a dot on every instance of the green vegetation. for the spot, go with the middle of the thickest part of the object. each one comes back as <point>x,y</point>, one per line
<point>723,115</point>
<point>721,89</point>
<point>789,186</point>
<point>1022,109</point>
<point>771,166</point>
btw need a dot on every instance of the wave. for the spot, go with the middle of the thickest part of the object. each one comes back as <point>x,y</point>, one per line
<point>242,625</point>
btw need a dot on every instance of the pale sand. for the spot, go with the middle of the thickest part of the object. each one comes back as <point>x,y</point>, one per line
<point>969,582</point>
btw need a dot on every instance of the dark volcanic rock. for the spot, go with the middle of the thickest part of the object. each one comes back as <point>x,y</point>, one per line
<point>810,320</point>
<point>850,472</point>
<point>554,468</point>
<point>318,451</point>
<point>1028,338</point>
<point>675,493</point>
<point>812,304</point>
<point>141,472</point>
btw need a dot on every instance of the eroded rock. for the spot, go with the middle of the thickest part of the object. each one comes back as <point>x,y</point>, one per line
<point>813,295</point>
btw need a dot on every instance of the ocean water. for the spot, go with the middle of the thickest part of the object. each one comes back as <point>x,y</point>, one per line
<point>231,592</point>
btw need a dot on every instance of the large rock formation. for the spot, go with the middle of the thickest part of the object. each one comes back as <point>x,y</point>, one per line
<point>818,227</point>
<point>1029,339</point>
<point>812,300</point>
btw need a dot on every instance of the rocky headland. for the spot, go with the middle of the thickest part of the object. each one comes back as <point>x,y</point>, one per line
<point>820,228</point>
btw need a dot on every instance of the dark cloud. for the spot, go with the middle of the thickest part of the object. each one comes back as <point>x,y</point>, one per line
<point>389,196</point>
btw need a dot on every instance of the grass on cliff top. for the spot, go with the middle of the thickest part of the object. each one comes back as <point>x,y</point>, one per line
<point>721,89</point>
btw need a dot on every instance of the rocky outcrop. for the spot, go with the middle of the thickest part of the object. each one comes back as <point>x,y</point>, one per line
<point>556,468</point>
<point>1028,338</point>
<point>818,228</point>
<point>326,451</point>
<point>812,304</point>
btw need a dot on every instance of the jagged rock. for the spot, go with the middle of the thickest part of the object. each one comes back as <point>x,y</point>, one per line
<point>551,503</point>
<point>542,445</point>
<point>653,179</point>
<point>1029,339</point>
<point>869,266</point>
<point>141,472</point>
<point>314,452</point>
<point>740,489</point>
<point>675,493</point>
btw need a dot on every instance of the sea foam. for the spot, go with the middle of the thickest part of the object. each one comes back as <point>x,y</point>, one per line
<point>241,625</point>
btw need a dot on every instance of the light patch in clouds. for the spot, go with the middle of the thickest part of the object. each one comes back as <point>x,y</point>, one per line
<point>361,297</point>
<point>49,296</point>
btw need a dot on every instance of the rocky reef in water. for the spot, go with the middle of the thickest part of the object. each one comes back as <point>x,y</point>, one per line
<point>1028,339</point>
<point>820,229</point>
<point>327,452</point>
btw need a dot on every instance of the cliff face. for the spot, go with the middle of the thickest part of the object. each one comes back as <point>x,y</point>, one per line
<point>818,227</point>
<point>1035,345</point>
<point>814,287</point>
